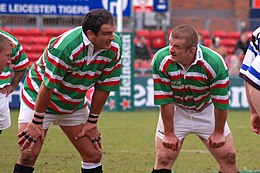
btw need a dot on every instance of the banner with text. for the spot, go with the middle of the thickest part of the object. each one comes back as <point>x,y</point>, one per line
<point>61,7</point>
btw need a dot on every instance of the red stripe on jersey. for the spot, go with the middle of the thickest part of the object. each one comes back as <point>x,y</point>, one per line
<point>78,76</point>
<point>27,102</point>
<point>166,66</point>
<point>21,67</point>
<point>51,79</point>
<point>197,78</point>
<point>5,77</point>
<point>109,72</point>
<point>56,63</point>
<point>78,90</point>
<point>159,81</point>
<point>65,100</point>
<point>200,63</point>
<point>220,101</point>
<point>112,83</point>
<point>157,97</point>
<point>114,49</point>
<point>78,52</point>
<point>177,77</point>
<point>224,85</point>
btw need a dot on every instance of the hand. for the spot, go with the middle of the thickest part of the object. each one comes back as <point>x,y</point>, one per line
<point>30,135</point>
<point>216,140</point>
<point>91,131</point>
<point>172,142</point>
<point>255,123</point>
<point>8,89</point>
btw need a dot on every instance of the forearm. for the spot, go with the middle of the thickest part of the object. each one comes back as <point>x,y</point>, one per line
<point>220,120</point>
<point>250,104</point>
<point>43,99</point>
<point>99,99</point>
<point>18,75</point>
<point>167,114</point>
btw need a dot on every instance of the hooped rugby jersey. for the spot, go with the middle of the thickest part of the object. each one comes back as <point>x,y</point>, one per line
<point>70,66</point>
<point>206,81</point>
<point>19,60</point>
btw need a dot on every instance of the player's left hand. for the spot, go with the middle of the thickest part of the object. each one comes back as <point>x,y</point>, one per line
<point>91,131</point>
<point>216,140</point>
<point>8,89</point>
<point>255,123</point>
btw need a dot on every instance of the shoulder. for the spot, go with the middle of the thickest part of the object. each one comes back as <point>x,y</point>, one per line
<point>70,39</point>
<point>160,55</point>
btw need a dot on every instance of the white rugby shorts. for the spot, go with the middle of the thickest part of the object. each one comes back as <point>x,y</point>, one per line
<point>73,119</point>
<point>5,117</point>
<point>192,122</point>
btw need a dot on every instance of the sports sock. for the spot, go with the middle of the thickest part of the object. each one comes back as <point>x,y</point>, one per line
<point>93,170</point>
<point>1,131</point>
<point>161,171</point>
<point>22,169</point>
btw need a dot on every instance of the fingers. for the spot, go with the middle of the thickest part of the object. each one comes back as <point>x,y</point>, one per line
<point>97,143</point>
<point>173,147</point>
<point>26,140</point>
<point>79,135</point>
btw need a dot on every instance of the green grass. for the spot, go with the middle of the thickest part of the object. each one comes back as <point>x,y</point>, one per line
<point>128,145</point>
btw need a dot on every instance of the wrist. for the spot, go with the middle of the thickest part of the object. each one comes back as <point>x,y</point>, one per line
<point>38,118</point>
<point>92,118</point>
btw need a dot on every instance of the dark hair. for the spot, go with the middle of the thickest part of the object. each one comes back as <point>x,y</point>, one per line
<point>94,19</point>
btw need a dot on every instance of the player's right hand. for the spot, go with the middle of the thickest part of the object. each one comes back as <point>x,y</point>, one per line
<point>29,136</point>
<point>172,142</point>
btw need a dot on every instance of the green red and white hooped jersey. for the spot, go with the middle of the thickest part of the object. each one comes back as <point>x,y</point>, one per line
<point>70,67</point>
<point>205,81</point>
<point>19,60</point>
<point>250,69</point>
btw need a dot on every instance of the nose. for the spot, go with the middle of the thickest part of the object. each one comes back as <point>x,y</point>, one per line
<point>8,61</point>
<point>112,37</point>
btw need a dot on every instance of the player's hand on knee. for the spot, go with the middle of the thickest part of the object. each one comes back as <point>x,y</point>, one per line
<point>29,136</point>
<point>90,131</point>
<point>172,142</point>
<point>216,140</point>
<point>255,123</point>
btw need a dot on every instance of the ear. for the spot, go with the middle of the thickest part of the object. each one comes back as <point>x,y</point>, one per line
<point>193,50</point>
<point>90,34</point>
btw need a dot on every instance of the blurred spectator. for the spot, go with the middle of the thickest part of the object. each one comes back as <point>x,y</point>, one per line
<point>235,62</point>
<point>243,42</point>
<point>201,39</point>
<point>217,47</point>
<point>142,51</point>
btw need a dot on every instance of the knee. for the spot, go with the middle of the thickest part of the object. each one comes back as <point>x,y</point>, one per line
<point>27,158</point>
<point>164,159</point>
<point>230,158</point>
<point>93,157</point>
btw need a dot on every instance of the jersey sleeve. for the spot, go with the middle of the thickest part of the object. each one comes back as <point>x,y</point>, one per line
<point>163,92</point>
<point>219,85</point>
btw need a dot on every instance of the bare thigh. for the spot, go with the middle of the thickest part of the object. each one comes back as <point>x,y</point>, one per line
<point>225,155</point>
<point>165,157</point>
<point>84,146</point>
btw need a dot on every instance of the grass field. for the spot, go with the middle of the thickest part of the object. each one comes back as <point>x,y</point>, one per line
<point>128,146</point>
